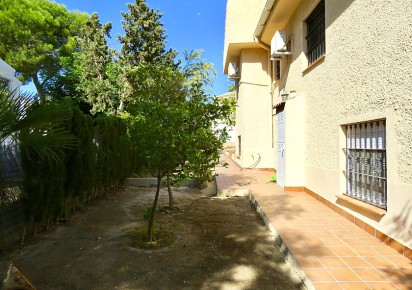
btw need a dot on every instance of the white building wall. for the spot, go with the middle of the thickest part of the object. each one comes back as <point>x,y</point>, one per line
<point>7,72</point>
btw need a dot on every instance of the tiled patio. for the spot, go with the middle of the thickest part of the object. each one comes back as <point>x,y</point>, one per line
<point>333,252</point>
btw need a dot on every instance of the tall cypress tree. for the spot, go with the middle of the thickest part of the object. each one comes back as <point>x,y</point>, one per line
<point>143,44</point>
<point>95,58</point>
<point>145,39</point>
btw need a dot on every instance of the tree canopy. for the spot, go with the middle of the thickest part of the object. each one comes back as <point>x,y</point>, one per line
<point>34,34</point>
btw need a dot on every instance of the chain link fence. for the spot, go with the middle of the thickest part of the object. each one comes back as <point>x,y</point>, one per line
<point>11,182</point>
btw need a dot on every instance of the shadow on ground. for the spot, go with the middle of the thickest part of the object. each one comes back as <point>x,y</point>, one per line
<point>220,244</point>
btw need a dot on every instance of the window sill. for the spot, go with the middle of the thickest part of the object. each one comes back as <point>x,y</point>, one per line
<point>313,65</point>
<point>361,207</point>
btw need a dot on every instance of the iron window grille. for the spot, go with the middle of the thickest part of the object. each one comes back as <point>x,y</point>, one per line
<point>366,162</point>
<point>315,37</point>
<point>277,70</point>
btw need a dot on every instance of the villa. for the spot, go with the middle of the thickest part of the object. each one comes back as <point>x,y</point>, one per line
<point>323,98</point>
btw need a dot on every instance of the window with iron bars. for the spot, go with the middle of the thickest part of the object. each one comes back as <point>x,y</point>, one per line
<point>276,70</point>
<point>315,37</point>
<point>366,162</point>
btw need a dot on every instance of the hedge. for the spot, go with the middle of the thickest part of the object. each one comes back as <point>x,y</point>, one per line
<point>103,157</point>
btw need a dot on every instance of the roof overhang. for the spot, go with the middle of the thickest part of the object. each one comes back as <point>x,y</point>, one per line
<point>275,16</point>
<point>233,52</point>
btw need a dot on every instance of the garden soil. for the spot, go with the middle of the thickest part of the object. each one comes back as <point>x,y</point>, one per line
<point>220,244</point>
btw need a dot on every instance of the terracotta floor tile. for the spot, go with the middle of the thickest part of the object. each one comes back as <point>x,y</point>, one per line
<point>393,274</point>
<point>336,228</point>
<point>343,252</point>
<point>308,261</point>
<point>382,285</point>
<point>355,262</point>
<point>299,243</point>
<point>311,251</point>
<point>344,235</point>
<point>404,285</point>
<point>408,273</point>
<point>365,251</point>
<point>301,228</point>
<point>317,228</point>
<point>327,221</point>
<point>312,221</point>
<point>296,223</point>
<point>327,286</point>
<point>345,274</point>
<point>400,261</point>
<point>313,243</point>
<point>318,275</point>
<point>325,234</point>
<point>362,234</point>
<point>370,275</point>
<point>333,242</point>
<point>379,262</point>
<point>355,242</point>
<point>373,242</point>
<point>289,235</point>
<point>332,262</point>
<point>354,285</point>
<point>386,251</point>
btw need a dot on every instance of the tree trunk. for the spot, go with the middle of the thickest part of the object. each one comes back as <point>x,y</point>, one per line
<point>169,189</point>
<point>39,88</point>
<point>23,235</point>
<point>152,215</point>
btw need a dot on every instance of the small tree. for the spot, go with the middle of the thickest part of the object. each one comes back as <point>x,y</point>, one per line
<point>175,121</point>
<point>157,123</point>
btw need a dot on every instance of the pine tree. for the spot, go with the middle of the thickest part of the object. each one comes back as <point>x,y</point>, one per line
<point>34,35</point>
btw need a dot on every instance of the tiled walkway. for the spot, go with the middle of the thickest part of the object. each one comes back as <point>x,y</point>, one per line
<point>333,252</point>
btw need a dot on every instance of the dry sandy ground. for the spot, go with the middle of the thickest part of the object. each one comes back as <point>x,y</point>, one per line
<point>220,244</point>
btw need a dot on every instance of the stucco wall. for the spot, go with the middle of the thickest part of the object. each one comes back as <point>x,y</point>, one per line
<point>241,16</point>
<point>366,74</point>
<point>253,111</point>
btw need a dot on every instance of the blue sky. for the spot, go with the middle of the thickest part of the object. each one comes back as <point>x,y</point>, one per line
<point>189,24</point>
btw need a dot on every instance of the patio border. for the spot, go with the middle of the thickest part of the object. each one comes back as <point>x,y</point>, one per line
<point>284,250</point>
<point>394,244</point>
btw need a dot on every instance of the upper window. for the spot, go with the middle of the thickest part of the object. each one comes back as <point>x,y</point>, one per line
<point>366,162</point>
<point>276,68</point>
<point>315,37</point>
<point>275,72</point>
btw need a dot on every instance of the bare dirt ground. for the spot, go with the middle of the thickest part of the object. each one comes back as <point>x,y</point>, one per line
<point>220,244</point>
